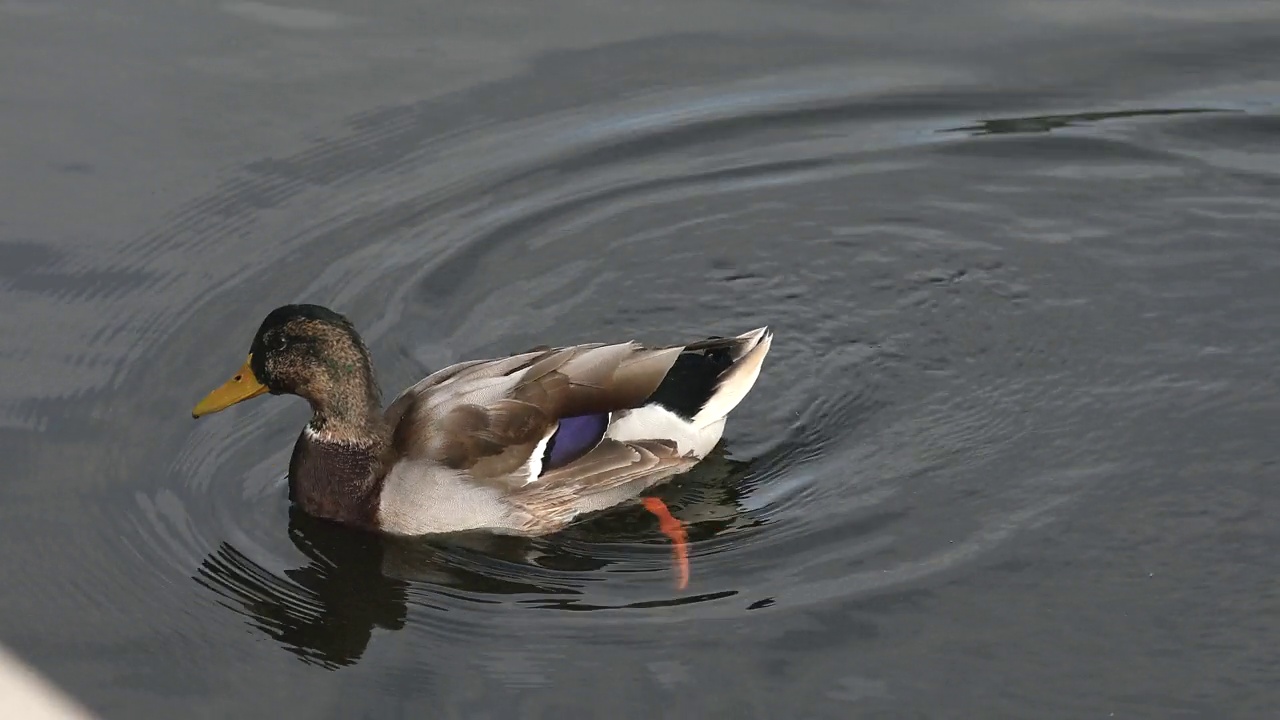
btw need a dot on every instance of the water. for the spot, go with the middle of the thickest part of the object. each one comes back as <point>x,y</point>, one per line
<point>1011,456</point>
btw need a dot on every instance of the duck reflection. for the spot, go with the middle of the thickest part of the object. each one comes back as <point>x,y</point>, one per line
<point>325,611</point>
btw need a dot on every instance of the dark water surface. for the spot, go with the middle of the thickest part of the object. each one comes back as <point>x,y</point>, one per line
<point>1013,454</point>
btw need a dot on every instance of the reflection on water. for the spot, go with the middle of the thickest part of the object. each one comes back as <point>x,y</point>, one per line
<point>1048,123</point>
<point>326,611</point>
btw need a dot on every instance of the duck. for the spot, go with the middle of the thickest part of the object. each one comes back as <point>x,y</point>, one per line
<point>517,445</point>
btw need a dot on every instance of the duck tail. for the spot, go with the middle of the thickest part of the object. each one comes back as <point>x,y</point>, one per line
<point>748,351</point>
<point>710,377</point>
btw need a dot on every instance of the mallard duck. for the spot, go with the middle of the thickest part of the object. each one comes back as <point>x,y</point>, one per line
<point>517,445</point>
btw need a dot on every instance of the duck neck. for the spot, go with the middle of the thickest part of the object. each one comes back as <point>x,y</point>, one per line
<point>336,469</point>
<point>351,426</point>
<point>346,407</point>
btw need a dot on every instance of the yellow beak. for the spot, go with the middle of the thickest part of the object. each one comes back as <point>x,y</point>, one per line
<point>238,389</point>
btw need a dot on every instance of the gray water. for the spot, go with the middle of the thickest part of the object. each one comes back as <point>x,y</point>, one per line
<point>1012,455</point>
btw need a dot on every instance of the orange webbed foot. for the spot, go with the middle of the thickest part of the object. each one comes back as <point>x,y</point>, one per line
<point>673,529</point>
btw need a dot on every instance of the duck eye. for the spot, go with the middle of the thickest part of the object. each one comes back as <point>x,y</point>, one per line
<point>279,342</point>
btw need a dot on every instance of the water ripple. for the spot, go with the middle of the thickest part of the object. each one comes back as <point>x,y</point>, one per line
<point>913,362</point>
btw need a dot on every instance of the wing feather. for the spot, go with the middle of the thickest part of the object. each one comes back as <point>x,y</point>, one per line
<point>487,417</point>
<point>602,478</point>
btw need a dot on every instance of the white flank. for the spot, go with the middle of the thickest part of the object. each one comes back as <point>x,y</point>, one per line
<point>654,422</point>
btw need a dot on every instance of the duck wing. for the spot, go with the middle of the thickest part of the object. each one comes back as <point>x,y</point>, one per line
<point>497,420</point>
<point>610,473</point>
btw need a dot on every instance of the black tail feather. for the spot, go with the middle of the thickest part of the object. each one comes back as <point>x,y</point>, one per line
<point>693,378</point>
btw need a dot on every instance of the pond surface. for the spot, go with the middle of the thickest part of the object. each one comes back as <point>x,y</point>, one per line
<point>1013,453</point>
